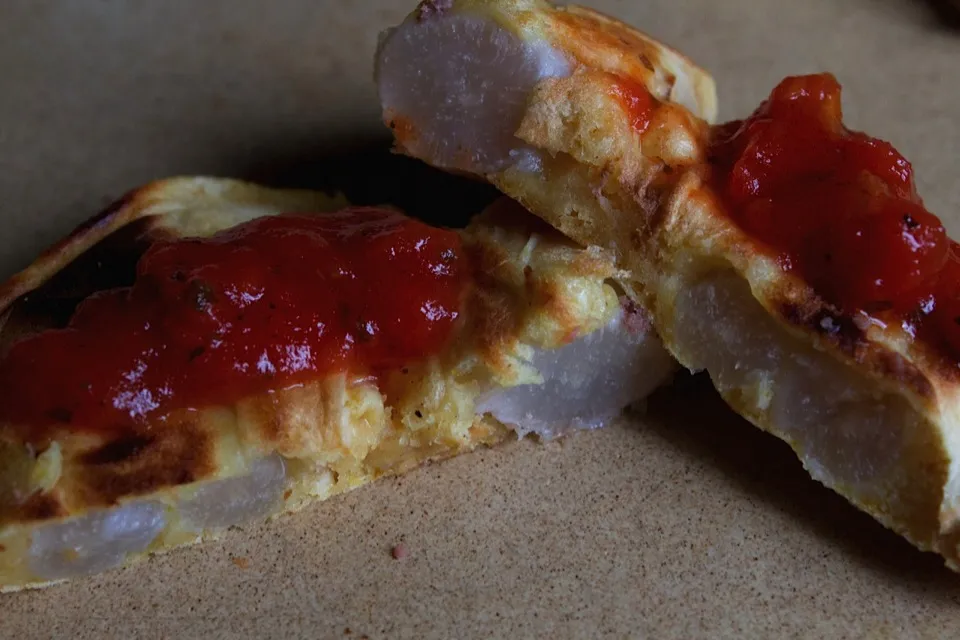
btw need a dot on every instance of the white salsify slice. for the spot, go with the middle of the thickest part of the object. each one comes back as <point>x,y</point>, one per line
<point>851,433</point>
<point>103,539</point>
<point>462,83</point>
<point>586,383</point>
<point>231,501</point>
<point>95,542</point>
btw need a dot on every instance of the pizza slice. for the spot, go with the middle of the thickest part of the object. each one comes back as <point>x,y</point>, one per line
<point>207,352</point>
<point>788,256</point>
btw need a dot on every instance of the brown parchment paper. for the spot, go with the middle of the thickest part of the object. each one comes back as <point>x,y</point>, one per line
<point>684,522</point>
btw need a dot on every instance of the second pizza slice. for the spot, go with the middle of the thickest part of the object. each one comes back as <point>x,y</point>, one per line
<point>787,256</point>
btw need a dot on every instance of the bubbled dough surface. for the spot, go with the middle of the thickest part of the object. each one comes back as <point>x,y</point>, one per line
<point>684,523</point>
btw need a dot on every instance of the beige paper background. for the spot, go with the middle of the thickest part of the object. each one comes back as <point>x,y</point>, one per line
<point>684,523</point>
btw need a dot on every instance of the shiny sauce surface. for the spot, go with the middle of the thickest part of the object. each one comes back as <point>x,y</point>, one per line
<point>839,208</point>
<point>267,304</point>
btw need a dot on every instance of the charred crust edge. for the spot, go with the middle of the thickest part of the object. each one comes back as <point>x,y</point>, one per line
<point>136,464</point>
<point>121,449</point>
<point>842,331</point>
<point>838,328</point>
<point>36,508</point>
<point>47,265</point>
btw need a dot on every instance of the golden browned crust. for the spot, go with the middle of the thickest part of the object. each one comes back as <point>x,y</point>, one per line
<point>504,283</point>
<point>599,42</point>
<point>139,464</point>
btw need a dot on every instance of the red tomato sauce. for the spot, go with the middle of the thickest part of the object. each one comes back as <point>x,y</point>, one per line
<point>838,207</point>
<point>267,304</point>
<point>637,102</point>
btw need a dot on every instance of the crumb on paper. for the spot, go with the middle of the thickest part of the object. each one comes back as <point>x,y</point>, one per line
<point>243,563</point>
<point>399,552</point>
<point>287,494</point>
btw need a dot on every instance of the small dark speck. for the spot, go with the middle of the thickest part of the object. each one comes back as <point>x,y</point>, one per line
<point>957,320</point>
<point>404,371</point>
<point>272,306</point>
<point>418,413</point>
<point>909,222</point>
<point>197,352</point>
<point>61,414</point>
<point>347,631</point>
<point>393,124</point>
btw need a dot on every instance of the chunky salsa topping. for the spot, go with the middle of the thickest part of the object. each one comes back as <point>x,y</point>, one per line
<point>840,208</point>
<point>264,305</point>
